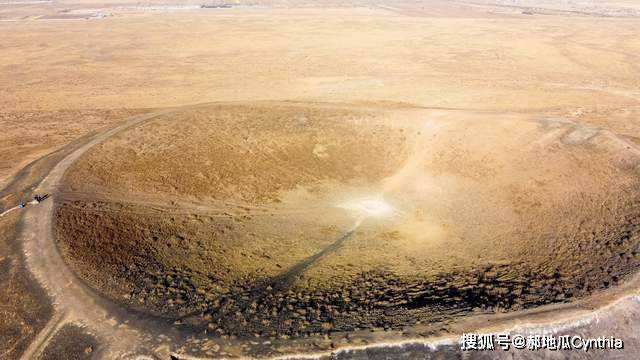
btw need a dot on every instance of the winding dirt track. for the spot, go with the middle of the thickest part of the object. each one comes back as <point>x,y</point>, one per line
<point>73,301</point>
<point>124,334</point>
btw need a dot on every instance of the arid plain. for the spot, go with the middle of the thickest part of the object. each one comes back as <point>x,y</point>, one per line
<point>503,141</point>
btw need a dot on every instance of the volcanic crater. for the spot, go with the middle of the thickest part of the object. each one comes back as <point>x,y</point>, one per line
<point>288,219</point>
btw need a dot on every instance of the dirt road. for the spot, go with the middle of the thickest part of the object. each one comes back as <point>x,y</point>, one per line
<point>73,301</point>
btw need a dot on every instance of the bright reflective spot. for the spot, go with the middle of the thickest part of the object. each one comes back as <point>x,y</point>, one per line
<point>369,207</point>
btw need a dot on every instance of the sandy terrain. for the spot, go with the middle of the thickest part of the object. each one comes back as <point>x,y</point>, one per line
<point>493,70</point>
<point>29,135</point>
<point>524,64</point>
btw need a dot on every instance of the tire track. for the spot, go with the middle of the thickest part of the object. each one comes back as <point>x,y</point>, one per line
<point>73,301</point>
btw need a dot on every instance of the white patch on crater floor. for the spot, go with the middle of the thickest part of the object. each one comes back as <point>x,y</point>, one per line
<point>369,207</point>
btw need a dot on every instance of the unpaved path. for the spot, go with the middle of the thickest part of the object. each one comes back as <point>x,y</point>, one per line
<point>9,210</point>
<point>73,301</point>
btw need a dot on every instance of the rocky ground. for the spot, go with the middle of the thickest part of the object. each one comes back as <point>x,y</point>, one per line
<point>71,342</point>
